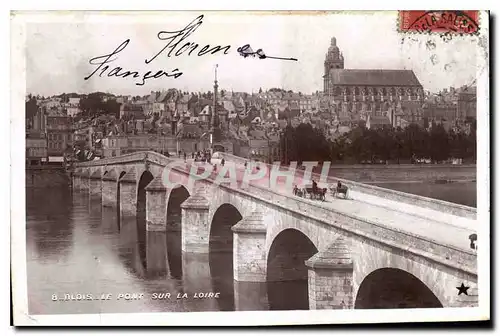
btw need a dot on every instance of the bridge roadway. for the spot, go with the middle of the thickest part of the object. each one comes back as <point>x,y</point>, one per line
<point>430,224</point>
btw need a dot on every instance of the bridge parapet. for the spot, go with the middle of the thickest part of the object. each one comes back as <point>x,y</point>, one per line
<point>388,194</point>
<point>150,156</point>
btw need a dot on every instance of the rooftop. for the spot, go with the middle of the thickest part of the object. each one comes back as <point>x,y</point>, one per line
<point>374,77</point>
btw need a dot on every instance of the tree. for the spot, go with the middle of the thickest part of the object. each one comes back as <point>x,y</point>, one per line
<point>287,145</point>
<point>91,105</point>
<point>111,107</point>
<point>389,144</point>
<point>440,147</point>
<point>416,142</point>
<point>471,143</point>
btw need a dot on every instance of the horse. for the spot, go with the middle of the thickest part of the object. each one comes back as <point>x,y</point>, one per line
<point>319,193</point>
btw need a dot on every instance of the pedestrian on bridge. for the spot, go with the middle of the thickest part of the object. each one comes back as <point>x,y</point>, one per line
<point>314,186</point>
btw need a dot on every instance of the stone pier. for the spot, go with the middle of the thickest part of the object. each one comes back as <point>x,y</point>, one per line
<point>197,279</point>
<point>109,189</point>
<point>330,277</point>
<point>77,179</point>
<point>95,187</point>
<point>128,194</point>
<point>156,226</point>
<point>250,296</point>
<point>195,223</point>
<point>84,179</point>
<point>249,252</point>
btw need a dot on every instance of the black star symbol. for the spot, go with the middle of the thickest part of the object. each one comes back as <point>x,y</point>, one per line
<point>462,289</point>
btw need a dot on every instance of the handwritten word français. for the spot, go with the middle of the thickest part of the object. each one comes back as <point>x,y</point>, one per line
<point>119,72</point>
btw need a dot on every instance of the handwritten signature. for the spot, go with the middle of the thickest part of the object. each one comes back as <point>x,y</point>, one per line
<point>177,45</point>
<point>247,51</point>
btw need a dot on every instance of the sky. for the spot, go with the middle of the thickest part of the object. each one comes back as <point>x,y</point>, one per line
<point>59,48</point>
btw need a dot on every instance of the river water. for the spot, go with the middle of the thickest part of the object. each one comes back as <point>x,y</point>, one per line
<point>81,258</point>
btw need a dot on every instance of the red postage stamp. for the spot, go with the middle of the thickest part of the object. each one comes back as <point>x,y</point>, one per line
<point>439,21</point>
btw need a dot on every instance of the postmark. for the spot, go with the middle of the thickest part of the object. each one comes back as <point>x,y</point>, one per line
<point>464,22</point>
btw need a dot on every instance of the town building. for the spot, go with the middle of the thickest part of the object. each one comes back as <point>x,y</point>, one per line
<point>453,106</point>
<point>38,123</point>
<point>354,94</point>
<point>467,103</point>
<point>377,122</point>
<point>59,137</point>
<point>73,107</point>
<point>36,149</point>
<point>116,145</point>
<point>36,138</point>
<point>133,111</point>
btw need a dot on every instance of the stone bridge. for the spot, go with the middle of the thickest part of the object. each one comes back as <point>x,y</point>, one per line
<point>377,249</point>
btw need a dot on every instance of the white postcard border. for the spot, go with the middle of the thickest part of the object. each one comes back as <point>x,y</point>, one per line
<point>18,239</point>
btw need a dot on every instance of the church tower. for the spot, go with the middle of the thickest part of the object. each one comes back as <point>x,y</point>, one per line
<point>333,60</point>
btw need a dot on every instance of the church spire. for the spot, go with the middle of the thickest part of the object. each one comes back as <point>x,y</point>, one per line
<point>214,107</point>
<point>214,123</point>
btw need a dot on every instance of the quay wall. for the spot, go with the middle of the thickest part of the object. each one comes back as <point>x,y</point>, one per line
<point>46,176</point>
<point>404,173</point>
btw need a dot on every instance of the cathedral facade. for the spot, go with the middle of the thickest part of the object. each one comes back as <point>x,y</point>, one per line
<point>355,94</point>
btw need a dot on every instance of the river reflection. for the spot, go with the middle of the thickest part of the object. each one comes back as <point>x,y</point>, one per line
<point>76,246</point>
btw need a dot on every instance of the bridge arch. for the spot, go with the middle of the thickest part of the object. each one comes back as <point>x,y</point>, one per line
<point>370,257</point>
<point>118,208</point>
<point>287,272</point>
<point>173,220</point>
<point>394,288</point>
<point>145,178</point>
<point>176,196</point>
<point>221,251</point>
<point>220,235</point>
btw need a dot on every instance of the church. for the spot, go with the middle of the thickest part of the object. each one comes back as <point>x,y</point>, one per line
<point>358,94</point>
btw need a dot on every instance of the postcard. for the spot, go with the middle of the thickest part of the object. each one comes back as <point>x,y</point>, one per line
<point>185,168</point>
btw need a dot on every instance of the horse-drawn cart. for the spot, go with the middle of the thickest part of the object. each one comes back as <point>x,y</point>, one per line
<point>336,190</point>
